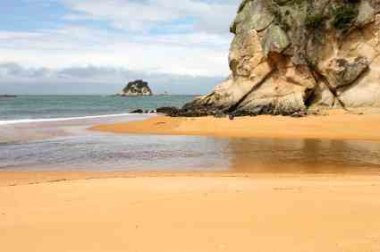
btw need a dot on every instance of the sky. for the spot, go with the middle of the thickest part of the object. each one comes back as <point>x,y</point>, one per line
<point>96,46</point>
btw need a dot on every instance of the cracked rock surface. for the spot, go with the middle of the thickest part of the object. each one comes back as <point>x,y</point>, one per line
<point>290,55</point>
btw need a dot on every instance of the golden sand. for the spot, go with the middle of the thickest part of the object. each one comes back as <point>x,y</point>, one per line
<point>193,213</point>
<point>336,125</point>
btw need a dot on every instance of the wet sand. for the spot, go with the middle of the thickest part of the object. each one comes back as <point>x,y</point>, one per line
<point>193,213</point>
<point>334,125</point>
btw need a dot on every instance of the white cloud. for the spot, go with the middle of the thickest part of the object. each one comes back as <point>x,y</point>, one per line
<point>209,16</point>
<point>191,54</point>
<point>15,78</point>
<point>157,37</point>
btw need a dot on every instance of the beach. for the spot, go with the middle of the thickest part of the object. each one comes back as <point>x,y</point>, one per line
<point>335,124</point>
<point>250,207</point>
<point>193,126</point>
<point>193,213</point>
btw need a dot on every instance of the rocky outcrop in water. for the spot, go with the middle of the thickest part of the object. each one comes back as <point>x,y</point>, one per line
<point>290,55</point>
<point>137,88</point>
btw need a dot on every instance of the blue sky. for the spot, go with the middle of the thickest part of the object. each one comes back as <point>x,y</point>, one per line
<point>92,46</point>
<point>26,15</point>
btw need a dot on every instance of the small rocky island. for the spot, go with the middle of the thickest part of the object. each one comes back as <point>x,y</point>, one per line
<point>137,88</point>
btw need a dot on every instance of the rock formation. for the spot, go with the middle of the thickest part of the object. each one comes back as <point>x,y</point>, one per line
<point>290,55</point>
<point>137,88</point>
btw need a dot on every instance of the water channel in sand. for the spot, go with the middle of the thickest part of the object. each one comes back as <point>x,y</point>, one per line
<point>68,145</point>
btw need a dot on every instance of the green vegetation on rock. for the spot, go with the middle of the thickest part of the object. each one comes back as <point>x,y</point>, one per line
<point>344,16</point>
<point>288,55</point>
<point>315,21</point>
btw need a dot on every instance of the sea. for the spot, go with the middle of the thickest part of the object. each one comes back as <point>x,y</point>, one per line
<point>51,133</point>
<point>36,108</point>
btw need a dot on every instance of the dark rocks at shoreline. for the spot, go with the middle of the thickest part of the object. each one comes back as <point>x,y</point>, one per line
<point>176,112</point>
<point>203,112</point>
<point>141,111</point>
<point>184,112</point>
<point>137,111</point>
<point>189,111</point>
<point>167,110</point>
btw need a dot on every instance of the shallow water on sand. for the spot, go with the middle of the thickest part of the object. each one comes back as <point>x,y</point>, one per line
<point>68,145</point>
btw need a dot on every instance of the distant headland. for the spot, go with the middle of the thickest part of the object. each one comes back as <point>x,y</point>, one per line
<point>8,96</point>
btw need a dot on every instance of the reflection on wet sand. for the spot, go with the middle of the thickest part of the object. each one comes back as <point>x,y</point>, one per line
<point>303,156</point>
<point>69,145</point>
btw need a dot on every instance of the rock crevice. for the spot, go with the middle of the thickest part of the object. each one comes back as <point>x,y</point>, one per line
<point>290,55</point>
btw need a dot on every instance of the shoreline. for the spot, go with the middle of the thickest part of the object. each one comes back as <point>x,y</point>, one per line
<point>337,125</point>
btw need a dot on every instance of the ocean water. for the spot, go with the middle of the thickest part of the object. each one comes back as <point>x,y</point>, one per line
<point>52,133</point>
<point>50,107</point>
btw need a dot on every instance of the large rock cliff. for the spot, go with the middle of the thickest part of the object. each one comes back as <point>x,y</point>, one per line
<point>290,55</point>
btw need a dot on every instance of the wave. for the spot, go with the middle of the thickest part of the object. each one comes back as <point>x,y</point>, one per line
<point>21,121</point>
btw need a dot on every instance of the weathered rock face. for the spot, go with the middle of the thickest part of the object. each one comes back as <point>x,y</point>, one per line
<point>289,55</point>
<point>137,88</point>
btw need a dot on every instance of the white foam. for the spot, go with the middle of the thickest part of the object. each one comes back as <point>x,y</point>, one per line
<point>21,121</point>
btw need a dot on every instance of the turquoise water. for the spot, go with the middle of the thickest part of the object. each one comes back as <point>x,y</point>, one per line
<point>40,107</point>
